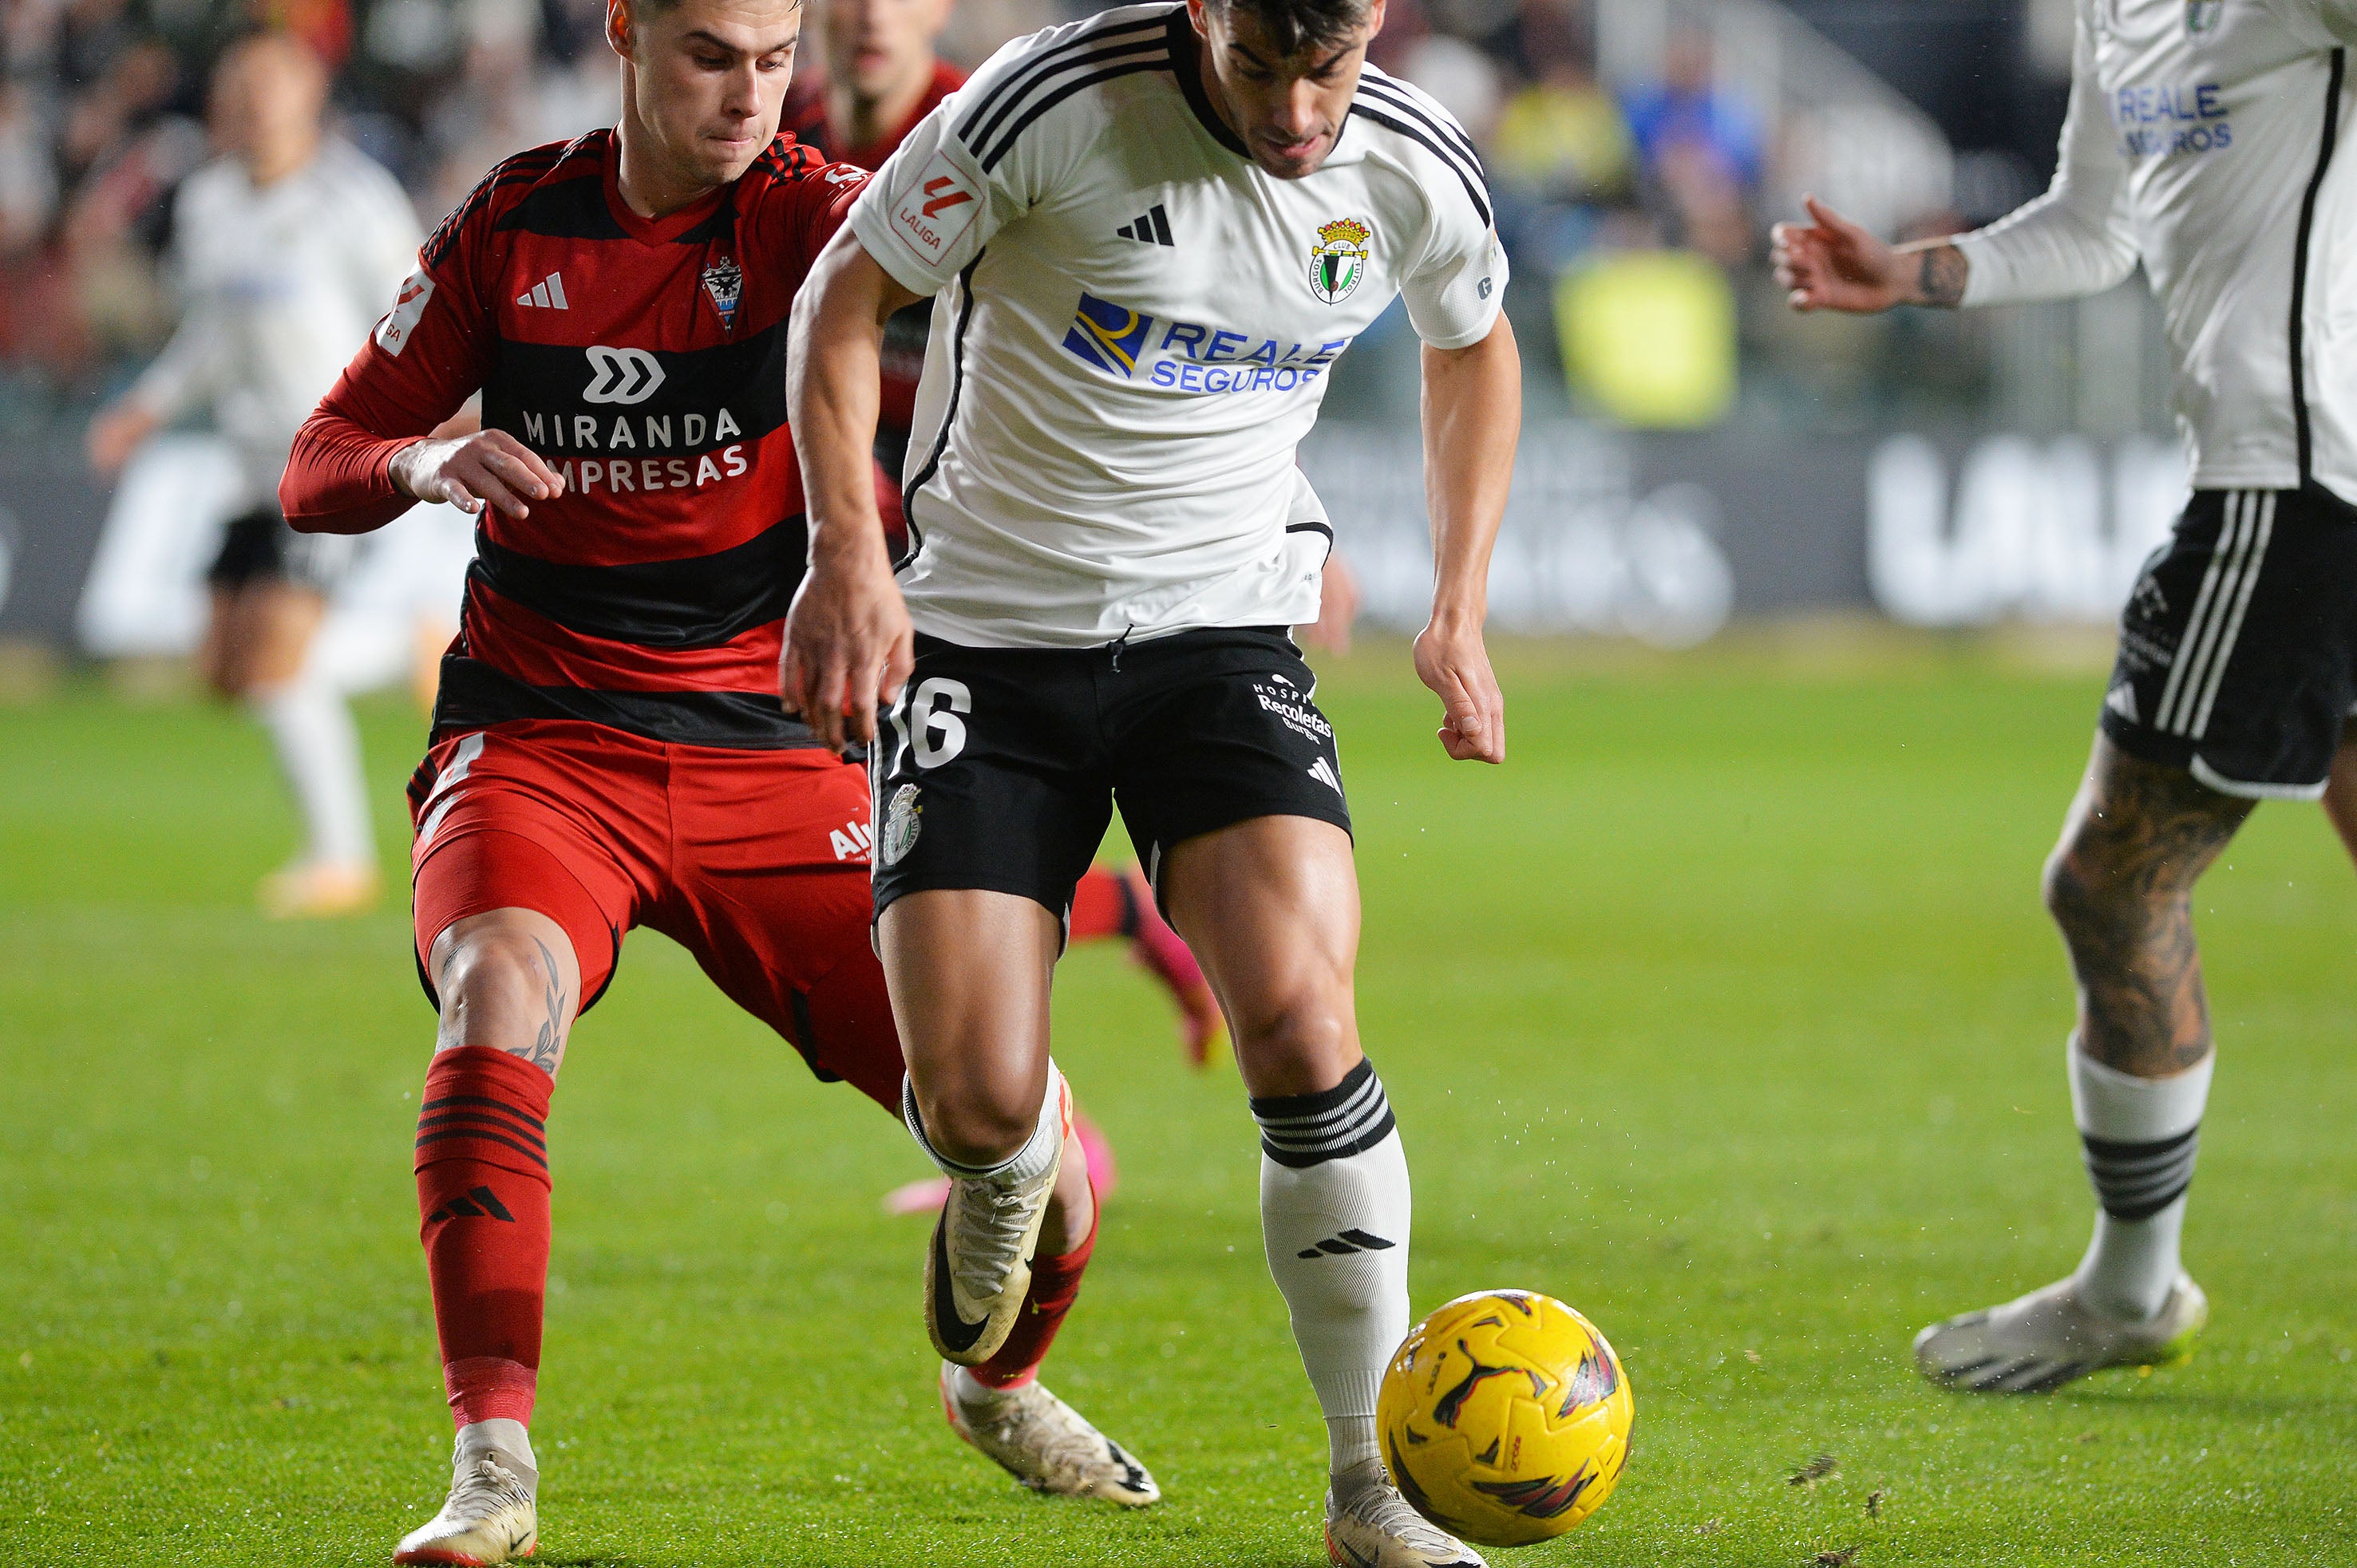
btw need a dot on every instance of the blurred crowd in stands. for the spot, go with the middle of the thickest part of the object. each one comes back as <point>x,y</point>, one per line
<point>101,106</point>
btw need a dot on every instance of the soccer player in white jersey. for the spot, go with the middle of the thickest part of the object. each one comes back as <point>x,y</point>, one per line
<point>287,248</point>
<point>2201,142</point>
<point>1150,234</point>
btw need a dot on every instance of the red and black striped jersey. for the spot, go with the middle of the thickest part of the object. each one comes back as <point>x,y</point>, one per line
<point>644,359</point>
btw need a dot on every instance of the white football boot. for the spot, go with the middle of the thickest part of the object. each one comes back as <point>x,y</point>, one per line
<point>1044,1442</point>
<point>1369,1525</point>
<point>979,1267</point>
<point>2051,1337</point>
<point>489,1517</point>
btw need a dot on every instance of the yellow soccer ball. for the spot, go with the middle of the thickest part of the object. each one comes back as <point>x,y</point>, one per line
<point>1505,1418</point>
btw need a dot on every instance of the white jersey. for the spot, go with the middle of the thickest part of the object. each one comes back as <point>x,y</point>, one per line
<point>278,286</point>
<point>1134,327</point>
<point>2200,142</point>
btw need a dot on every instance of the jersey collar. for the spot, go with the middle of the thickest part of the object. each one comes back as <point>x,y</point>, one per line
<point>1185,64</point>
<point>661,231</point>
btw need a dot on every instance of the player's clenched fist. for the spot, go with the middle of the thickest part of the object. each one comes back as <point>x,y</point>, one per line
<point>848,646</point>
<point>489,467</point>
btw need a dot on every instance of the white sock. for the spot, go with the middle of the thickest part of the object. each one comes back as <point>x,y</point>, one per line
<point>319,751</point>
<point>1334,1210</point>
<point>506,1438</point>
<point>1024,1164</point>
<point>2139,1135</point>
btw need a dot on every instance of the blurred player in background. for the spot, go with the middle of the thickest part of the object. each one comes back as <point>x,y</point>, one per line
<point>287,248</point>
<point>608,747</point>
<point>881,78</point>
<point>1146,238</point>
<point>2202,142</point>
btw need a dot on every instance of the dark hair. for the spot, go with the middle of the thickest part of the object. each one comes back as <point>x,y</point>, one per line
<point>1293,26</point>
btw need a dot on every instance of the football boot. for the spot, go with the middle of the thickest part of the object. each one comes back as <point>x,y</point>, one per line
<point>2052,1337</point>
<point>490,1515</point>
<point>1045,1444</point>
<point>319,890</point>
<point>979,1267</point>
<point>1369,1525</point>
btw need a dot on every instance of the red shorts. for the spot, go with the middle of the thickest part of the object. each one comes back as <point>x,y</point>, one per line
<point>754,861</point>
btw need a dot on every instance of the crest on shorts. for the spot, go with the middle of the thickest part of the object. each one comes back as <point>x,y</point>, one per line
<point>724,280</point>
<point>903,820</point>
<point>1339,262</point>
<point>2202,16</point>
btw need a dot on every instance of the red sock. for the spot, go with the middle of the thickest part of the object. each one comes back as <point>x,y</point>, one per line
<point>1055,1281</point>
<point>1103,906</point>
<point>482,1187</point>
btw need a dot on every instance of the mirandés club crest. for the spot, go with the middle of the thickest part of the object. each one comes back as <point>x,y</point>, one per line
<point>725,282</point>
<point>1339,260</point>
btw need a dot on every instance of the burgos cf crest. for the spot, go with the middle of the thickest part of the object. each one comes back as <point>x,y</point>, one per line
<point>2202,15</point>
<point>1108,335</point>
<point>1339,261</point>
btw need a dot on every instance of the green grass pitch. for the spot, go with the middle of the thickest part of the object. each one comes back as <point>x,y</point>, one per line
<point>1726,1012</point>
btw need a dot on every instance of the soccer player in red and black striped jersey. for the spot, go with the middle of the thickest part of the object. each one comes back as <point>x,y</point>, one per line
<point>608,747</point>
<point>881,78</point>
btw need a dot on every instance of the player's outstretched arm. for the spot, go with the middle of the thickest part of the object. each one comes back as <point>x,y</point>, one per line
<point>1472,417</point>
<point>1831,263</point>
<point>848,646</point>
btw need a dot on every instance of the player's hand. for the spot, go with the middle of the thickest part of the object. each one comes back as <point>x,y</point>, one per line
<point>488,467</point>
<point>1451,659</point>
<point>1831,263</point>
<point>849,647</point>
<point>116,434</point>
<point>1337,607</point>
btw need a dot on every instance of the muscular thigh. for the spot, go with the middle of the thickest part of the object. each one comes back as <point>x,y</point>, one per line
<point>1270,908</point>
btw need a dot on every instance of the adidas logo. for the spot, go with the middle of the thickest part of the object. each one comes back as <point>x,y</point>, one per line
<point>1323,771</point>
<point>1352,1241</point>
<point>2121,700</point>
<point>1154,228</point>
<point>484,1204</point>
<point>548,294</point>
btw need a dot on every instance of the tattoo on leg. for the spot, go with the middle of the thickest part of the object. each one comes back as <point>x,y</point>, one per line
<point>2121,887</point>
<point>1942,279</point>
<point>550,1046</point>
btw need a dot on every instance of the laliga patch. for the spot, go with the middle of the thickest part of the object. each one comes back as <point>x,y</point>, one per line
<point>392,332</point>
<point>936,211</point>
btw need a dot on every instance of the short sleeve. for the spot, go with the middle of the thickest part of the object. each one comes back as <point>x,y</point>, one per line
<point>816,206</point>
<point>1454,289</point>
<point>987,154</point>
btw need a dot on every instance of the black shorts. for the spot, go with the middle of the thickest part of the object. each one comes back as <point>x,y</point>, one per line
<point>998,769</point>
<point>258,547</point>
<point>2238,647</point>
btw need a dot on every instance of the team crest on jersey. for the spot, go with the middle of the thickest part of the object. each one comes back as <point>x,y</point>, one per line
<point>2202,16</point>
<point>724,280</point>
<point>1108,335</point>
<point>903,820</point>
<point>1339,260</point>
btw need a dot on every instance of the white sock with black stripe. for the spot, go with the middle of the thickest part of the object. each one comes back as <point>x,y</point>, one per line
<point>2140,1135</point>
<point>1334,1210</point>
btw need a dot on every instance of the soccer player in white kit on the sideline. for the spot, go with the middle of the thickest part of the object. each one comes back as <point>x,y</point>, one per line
<point>2200,142</point>
<point>1150,234</point>
<point>286,247</point>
